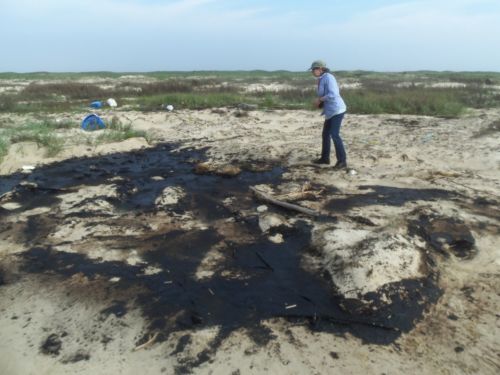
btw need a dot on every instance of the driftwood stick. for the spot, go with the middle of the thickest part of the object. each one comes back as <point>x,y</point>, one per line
<point>147,344</point>
<point>290,206</point>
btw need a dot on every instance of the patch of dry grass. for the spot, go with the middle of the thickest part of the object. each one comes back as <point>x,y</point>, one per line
<point>375,93</point>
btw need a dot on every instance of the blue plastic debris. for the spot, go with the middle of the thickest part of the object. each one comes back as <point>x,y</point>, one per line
<point>92,122</point>
<point>97,104</point>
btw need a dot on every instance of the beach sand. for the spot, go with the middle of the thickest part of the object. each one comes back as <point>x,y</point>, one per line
<point>158,259</point>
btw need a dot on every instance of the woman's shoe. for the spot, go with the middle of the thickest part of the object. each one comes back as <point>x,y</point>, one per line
<point>340,165</point>
<point>321,161</point>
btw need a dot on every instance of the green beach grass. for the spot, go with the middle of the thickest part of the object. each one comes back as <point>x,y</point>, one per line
<point>47,134</point>
<point>393,93</point>
<point>43,133</point>
<point>442,94</point>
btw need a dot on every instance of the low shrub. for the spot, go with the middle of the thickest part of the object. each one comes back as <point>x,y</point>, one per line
<point>407,101</point>
<point>116,131</point>
<point>70,90</point>
<point>190,100</point>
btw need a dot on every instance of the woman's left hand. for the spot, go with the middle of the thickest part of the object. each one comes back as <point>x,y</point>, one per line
<point>318,103</point>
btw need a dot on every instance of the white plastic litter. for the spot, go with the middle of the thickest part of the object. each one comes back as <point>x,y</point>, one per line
<point>169,107</point>
<point>11,206</point>
<point>262,208</point>
<point>112,102</point>
<point>27,168</point>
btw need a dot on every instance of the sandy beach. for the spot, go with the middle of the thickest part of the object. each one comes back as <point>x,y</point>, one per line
<point>159,258</point>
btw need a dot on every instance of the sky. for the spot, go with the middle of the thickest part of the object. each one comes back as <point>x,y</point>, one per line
<point>186,35</point>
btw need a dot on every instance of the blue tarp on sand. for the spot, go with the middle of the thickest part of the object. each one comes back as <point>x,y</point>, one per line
<point>97,104</point>
<point>92,122</point>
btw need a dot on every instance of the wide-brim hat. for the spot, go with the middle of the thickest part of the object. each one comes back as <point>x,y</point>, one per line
<point>317,64</point>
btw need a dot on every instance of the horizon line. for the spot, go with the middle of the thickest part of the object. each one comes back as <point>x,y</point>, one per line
<point>243,70</point>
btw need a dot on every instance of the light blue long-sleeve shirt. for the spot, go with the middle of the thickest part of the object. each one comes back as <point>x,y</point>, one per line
<point>329,92</point>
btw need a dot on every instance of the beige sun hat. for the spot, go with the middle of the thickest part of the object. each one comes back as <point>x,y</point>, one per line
<point>317,64</point>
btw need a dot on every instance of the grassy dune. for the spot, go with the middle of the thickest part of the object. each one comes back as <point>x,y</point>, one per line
<point>404,93</point>
<point>444,94</point>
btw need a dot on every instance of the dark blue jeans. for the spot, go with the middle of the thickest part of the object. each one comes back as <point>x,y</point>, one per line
<point>331,128</point>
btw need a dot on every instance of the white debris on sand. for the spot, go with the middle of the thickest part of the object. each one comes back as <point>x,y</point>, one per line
<point>270,220</point>
<point>170,196</point>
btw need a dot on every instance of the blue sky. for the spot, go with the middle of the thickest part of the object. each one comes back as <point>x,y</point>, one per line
<point>148,35</point>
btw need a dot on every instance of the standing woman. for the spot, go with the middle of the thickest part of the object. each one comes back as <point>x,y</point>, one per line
<point>334,108</point>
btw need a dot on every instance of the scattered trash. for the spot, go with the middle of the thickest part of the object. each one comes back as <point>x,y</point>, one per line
<point>112,102</point>
<point>97,104</point>
<point>352,172</point>
<point>27,168</point>
<point>290,307</point>
<point>169,107</point>
<point>92,122</point>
